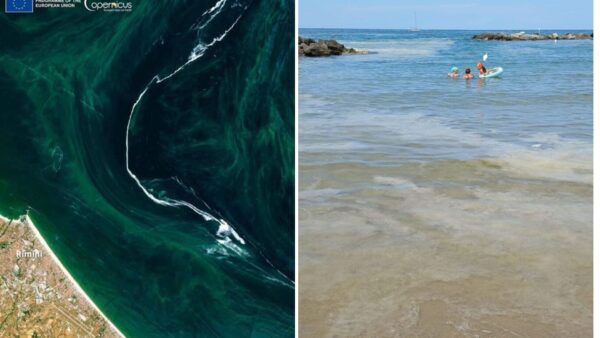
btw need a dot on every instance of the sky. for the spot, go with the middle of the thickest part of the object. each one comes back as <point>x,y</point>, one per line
<point>446,14</point>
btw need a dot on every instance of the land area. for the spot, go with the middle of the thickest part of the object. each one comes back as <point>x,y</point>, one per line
<point>315,48</point>
<point>37,299</point>
<point>522,36</point>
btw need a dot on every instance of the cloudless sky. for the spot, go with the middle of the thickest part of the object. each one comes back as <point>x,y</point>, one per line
<point>446,14</point>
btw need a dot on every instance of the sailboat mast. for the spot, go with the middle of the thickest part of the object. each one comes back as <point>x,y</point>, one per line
<point>415,28</point>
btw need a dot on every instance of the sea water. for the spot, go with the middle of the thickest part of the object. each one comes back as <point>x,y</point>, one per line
<point>444,207</point>
<point>154,152</point>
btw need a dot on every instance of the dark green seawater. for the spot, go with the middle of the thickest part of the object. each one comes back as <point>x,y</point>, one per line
<point>154,151</point>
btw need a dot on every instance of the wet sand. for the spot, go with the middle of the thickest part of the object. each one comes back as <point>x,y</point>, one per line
<point>478,248</point>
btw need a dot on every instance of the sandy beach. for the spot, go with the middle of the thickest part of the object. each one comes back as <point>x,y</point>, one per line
<point>41,296</point>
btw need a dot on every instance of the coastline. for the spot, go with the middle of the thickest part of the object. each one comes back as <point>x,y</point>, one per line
<point>26,220</point>
<point>523,36</point>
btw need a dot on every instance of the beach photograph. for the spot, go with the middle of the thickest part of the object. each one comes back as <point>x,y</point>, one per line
<point>445,168</point>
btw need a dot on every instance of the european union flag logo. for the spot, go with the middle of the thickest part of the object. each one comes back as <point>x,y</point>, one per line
<point>19,6</point>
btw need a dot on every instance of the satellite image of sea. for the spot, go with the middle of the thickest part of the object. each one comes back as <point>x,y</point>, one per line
<point>150,146</point>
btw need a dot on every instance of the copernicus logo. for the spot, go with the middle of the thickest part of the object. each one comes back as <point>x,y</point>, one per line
<point>106,6</point>
<point>18,6</point>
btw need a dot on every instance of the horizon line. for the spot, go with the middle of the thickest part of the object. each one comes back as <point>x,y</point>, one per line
<point>457,29</point>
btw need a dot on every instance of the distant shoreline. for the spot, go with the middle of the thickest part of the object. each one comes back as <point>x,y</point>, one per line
<point>536,36</point>
<point>497,30</point>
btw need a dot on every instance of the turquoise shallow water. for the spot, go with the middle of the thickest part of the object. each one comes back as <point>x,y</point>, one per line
<point>154,150</point>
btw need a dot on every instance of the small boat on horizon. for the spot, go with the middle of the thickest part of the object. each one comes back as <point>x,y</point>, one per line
<point>415,28</point>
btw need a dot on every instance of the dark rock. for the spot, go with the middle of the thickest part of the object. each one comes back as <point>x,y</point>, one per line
<point>522,36</point>
<point>301,48</point>
<point>317,49</point>
<point>312,48</point>
<point>305,41</point>
<point>335,47</point>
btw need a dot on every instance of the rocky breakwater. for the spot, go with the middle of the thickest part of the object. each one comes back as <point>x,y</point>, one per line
<point>522,36</point>
<point>316,48</point>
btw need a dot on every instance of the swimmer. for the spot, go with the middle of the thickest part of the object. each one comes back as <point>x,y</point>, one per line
<point>468,75</point>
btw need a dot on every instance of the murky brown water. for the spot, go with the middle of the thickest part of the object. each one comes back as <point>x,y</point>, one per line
<point>474,248</point>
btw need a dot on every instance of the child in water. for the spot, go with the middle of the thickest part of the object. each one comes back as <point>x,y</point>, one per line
<point>468,75</point>
<point>453,73</point>
<point>481,68</point>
